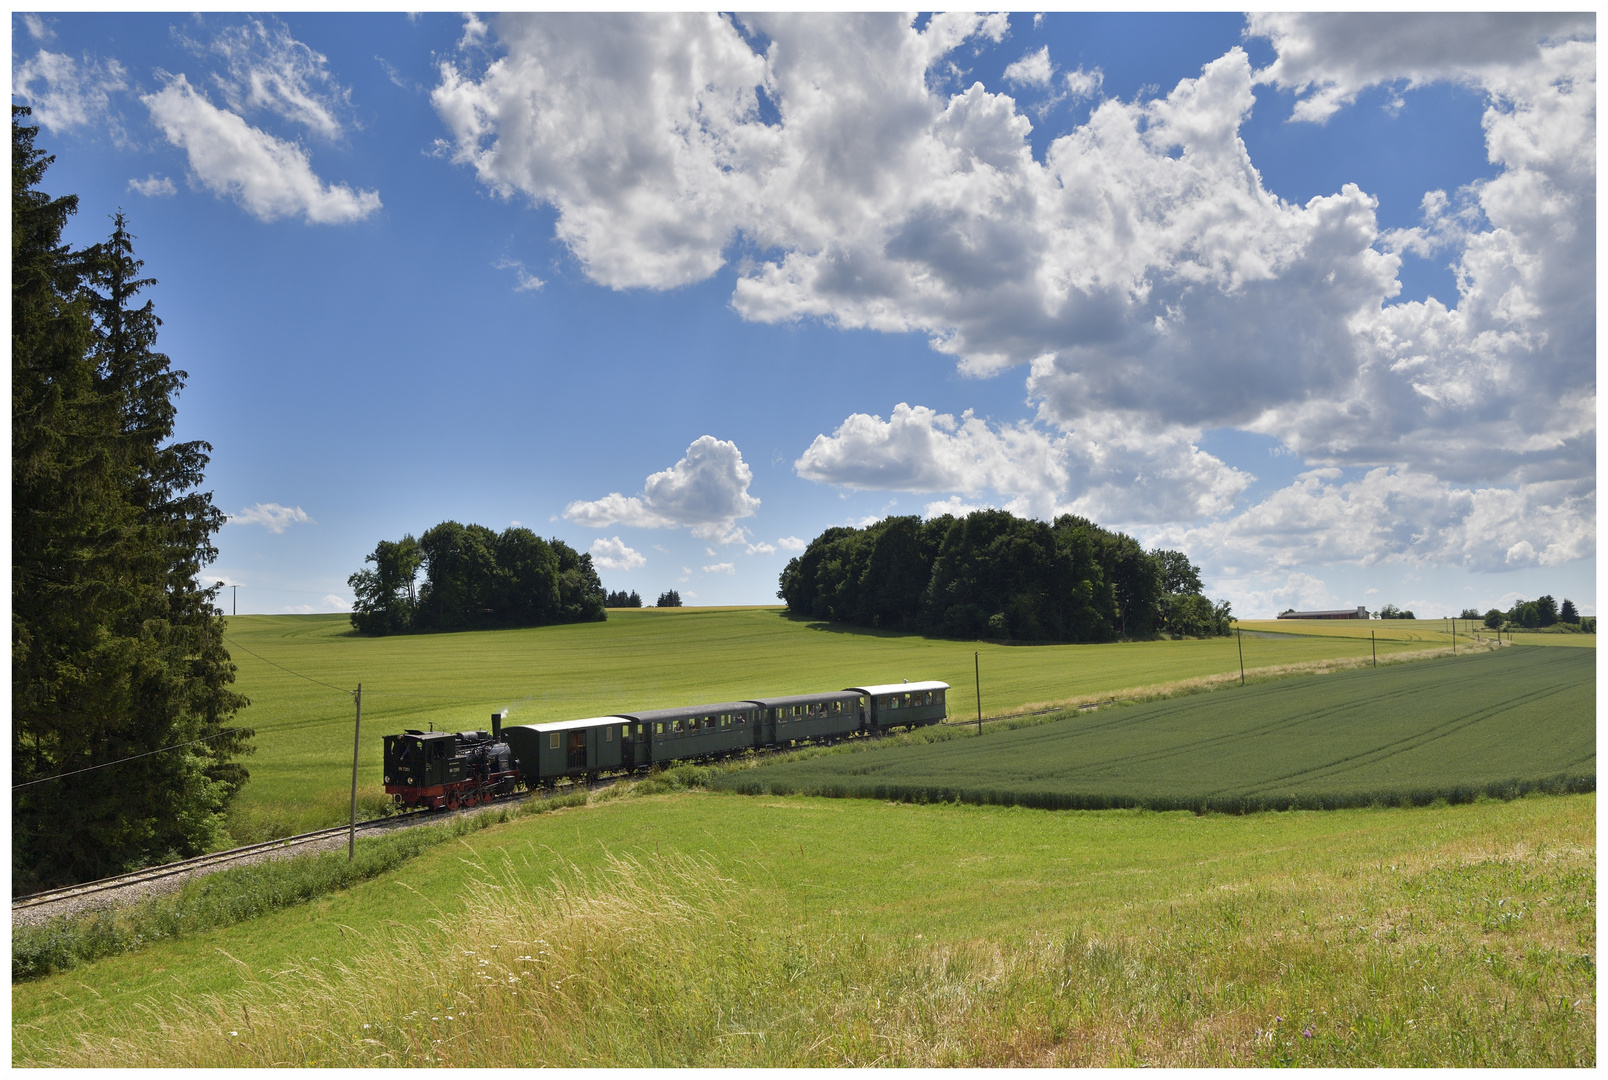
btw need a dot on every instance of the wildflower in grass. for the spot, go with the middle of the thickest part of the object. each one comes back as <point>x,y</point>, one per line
<point>1306,1033</point>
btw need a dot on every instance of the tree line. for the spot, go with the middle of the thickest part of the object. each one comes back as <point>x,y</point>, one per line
<point>1538,614</point>
<point>992,574</point>
<point>624,599</point>
<point>474,579</point>
<point>122,752</point>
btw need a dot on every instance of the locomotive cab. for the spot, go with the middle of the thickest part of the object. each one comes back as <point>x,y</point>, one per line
<point>418,759</point>
<point>447,769</point>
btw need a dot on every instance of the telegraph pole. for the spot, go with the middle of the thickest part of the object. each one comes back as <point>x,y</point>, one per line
<point>236,596</point>
<point>357,729</point>
<point>1241,644</point>
<point>977,677</point>
<point>1372,645</point>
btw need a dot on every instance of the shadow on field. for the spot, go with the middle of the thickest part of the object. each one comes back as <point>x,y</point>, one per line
<point>810,622</point>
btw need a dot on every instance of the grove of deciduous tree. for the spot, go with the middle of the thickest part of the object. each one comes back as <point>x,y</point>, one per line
<point>474,579</point>
<point>992,574</point>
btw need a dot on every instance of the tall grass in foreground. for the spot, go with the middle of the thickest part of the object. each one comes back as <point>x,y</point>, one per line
<point>1470,959</point>
<point>235,895</point>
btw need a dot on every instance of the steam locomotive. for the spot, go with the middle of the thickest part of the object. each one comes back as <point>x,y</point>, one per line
<point>446,770</point>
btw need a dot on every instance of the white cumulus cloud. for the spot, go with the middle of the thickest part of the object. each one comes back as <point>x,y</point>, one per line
<point>1396,515</point>
<point>272,516</point>
<point>1329,57</point>
<point>153,186</point>
<point>611,553</point>
<point>1112,468</point>
<point>720,568</point>
<point>267,68</point>
<point>269,177</point>
<point>1140,271</point>
<point>64,93</point>
<point>706,491</point>
<point>1033,69</point>
<point>791,543</point>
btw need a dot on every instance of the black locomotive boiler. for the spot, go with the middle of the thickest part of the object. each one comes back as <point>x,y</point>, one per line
<point>443,770</point>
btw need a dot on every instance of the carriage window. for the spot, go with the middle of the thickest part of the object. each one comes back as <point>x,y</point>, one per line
<point>940,697</point>
<point>742,718</point>
<point>709,722</point>
<point>837,707</point>
<point>893,701</point>
<point>907,701</point>
<point>552,741</point>
<point>608,734</point>
<point>675,726</point>
<point>658,729</point>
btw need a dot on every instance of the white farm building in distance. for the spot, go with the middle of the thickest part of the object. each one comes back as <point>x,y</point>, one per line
<point>1345,613</point>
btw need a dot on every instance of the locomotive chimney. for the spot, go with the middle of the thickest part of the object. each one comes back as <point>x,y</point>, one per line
<point>496,723</point>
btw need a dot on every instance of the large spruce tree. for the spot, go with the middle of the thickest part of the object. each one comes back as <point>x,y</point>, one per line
<point>121,750</point>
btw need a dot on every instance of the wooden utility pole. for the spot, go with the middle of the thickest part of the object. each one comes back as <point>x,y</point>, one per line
<point>977,677</point>
<point>1373,646</point>
<point>236,597</point>
<point>1241,645</point>
<point>1454,637</point>
<point>357,734</point>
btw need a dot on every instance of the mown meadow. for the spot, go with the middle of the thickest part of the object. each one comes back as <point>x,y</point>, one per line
<point>1489,722</point>
<point>722,930</point>
<point>296,670</point>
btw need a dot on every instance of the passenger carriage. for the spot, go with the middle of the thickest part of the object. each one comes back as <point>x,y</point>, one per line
<point>909,704</point>
<point>570,748</point>
<point>808,716</point>
<point>694,731</point>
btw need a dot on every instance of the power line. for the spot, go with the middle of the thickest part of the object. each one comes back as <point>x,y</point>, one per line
<point>282,667</point>
<point>119,761</point>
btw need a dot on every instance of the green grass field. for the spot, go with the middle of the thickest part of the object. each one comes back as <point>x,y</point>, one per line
<point>1491,722</point>
<point>722,930</point>
<point>294,669</point>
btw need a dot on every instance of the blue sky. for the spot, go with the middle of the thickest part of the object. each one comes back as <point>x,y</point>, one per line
<point>1309,297</point>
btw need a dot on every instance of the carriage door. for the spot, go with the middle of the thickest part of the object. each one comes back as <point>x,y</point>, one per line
<point>577,750</point>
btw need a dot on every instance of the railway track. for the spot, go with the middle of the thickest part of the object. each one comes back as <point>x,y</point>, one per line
<point>138,883</point>
<point>201,862</point>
